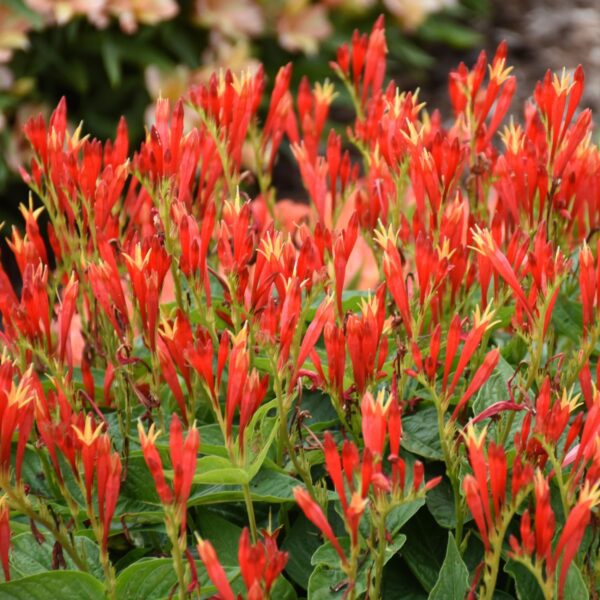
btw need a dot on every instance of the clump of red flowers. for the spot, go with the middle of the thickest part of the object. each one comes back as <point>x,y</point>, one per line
<point>411,355</point>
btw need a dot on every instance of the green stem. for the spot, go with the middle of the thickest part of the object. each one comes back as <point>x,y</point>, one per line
<point>58,533</point>
<point>178,565</point>
<point>449,460</point>
<point>109,575</point>
<point>379,561</point>
<point>250,511</point>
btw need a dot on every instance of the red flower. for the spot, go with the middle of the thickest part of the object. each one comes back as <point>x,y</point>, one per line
<point>16,413</point>
<point>315,515</point>
<point>184,455</point>
<point>215,570</point>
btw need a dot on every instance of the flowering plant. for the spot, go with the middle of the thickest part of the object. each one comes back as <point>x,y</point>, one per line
<point>208,391</point>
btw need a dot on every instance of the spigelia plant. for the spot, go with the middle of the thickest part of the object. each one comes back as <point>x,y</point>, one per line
<point>390,391</point>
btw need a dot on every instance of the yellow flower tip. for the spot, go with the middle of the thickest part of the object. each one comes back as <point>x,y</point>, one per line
<point>562,84</point>
<point>412,135</point>
<point>272,246</point>
<point>483,240</point>
<point>444,250</point>
<point>137,260</point>
<point>471,437</point>
<point>486,318</point>
<point>167,330</point>
<point>513,137</point>
<point>325,92</point>
<point>89,435</point>
<point>241,337</point>
<point>150,437</point>
<point>569,400</point>
<point>499,72</point>
<point>384,237</point>
<point>590,494</point>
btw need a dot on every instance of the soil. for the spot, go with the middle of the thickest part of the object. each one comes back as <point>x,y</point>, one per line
<point>550,34</point>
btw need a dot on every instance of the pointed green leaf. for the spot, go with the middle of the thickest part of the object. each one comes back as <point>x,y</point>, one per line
<point>453,581</point>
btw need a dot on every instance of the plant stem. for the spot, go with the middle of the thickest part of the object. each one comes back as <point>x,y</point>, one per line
<point>173,532</point>
<point>250,511</point>
<point>59,535</point>
<point>379,562</point>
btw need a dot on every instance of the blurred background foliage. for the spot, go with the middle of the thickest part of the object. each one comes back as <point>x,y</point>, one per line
<point>114,57</point>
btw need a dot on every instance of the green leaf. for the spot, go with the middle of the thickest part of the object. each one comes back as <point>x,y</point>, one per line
<point>424,549</point>
<point>400,515</point>
<point>440,502</point>
<point>267,486</point>
<point>155,578</point>
<point>327,578</point>
<point>567,318</point>
<point>453,581</point>
<point>28,557</point>
<point>219,470</point>
<point>111,60</point>
<point>575,587</point>
<point>263,433</point>
<point>450,33</point>
<point>283,590</point>
<point>420,434</point>
<point>66,585</point>
<point>399,583</point>
<point>526,586</point>
<point>326,583</point>
<point>149,579</point>
<point>495,388</point>
<point>300,543</point>
<point>223,535</point>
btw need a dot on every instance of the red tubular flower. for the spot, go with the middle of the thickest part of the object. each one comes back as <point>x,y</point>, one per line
<point>108,484</point>
<point>184,455</point>
<point>335,346</point>
<point>276,559</point>
<point>366,345</point>
<point>587,285</point>
<point>252,560</point>
<point>476,506</point>
<point>169,374</point>
<point>333,464</point>
<point>482,374</point>
<point>67,310</point>
<point>323,315</point>
<point>89,437</point>
<point>485,245</point>
<point>154,462</point>
<point>574,528</point>
<point>481,323</point>
<point>544,518</point>
<point>486,501</point>
<point>5,536</point>
<point>315,515</point>
<point>374,422</point>
<point>551,98</point>
<point>376,51</point>
<point>16,413</point>
<point>147,273</point>
<point>394,276</point>
<point>539,542</point>
<point>215,570</point>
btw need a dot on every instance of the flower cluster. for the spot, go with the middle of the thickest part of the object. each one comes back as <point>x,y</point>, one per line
<point>412,354</point>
